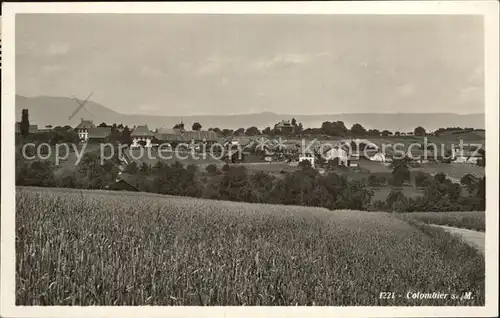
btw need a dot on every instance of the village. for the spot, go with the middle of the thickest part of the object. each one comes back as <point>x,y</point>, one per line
<point>283,150</point>
<point>283,147</point>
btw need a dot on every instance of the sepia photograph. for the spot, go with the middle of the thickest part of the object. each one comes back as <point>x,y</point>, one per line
<point>226,156</point>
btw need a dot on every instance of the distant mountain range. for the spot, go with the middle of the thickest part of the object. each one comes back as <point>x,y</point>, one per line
<point>55,111</point>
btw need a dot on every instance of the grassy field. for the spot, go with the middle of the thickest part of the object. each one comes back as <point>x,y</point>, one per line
<point>466,220</point>
<point>274,167</point>
<point>453,170</point>
<point>185,158</point>
<point>381,193</point>
<point>78,247</point>
<point>374,167</point>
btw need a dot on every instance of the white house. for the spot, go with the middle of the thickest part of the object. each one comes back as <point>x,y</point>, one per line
<point>339,153</point>
<point>378,157</point>
<point>307,155</point>
<point>354,158</point>
<point>141,137</point>
<point>466,156</point>
<point>83,129</point>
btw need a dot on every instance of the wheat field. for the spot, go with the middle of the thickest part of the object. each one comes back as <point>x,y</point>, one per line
<point>79,247</point>
<point>474,220</point>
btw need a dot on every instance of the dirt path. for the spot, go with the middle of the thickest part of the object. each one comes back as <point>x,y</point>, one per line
<point>473,238</point>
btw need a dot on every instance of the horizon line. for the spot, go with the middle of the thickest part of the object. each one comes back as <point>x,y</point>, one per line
<point>265,112</point>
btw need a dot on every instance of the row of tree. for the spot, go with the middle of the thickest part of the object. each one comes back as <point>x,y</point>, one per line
<point>234,183</point>
<point>302,187</point>
<point>440,194</point>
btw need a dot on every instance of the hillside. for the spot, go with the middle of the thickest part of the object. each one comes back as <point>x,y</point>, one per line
<point>45,110</point>
<point>149,249</point>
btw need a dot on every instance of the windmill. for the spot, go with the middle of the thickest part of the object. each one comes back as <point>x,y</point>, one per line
<point>81,104</point>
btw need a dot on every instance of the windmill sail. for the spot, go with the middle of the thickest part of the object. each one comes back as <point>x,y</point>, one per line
<point>80,105</point>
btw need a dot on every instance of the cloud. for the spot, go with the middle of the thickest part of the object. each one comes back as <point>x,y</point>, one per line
<point>407,89</point>
<point>282,61</point>
<point>149,107</point>
<point>471,94</point>
<point>476,77</point>
<point>224,64</point>
<point>47,69</point>
<point>223,81</point>
<point>25,47</point>
<point>152,72</point>
<point>210,65</point>
<point>57,49</point>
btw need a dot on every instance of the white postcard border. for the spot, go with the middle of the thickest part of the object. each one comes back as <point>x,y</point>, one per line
<point>489,9</point>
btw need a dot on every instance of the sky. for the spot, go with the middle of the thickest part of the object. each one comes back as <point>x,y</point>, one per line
<point>181,64</point>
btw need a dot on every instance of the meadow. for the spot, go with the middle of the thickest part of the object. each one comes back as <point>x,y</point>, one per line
<point>455,171</point>
<point>96,247</point>
<point>381,193</point>
<point>466,220</point>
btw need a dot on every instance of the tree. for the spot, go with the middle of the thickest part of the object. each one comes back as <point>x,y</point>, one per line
<point>470,182</point>
<point>419,131</point>
<point>145,168</point>
<point>266,131</point>
<point>239,132</point>
<point>299,129</point>
<point>481,194</point>
<point>440,177</point>
<point>372,180</point>
<point>196,126</point>
<point>125,136</point>
<point>386,133</point>
<point>38,173</point>
<point>50,126</point>
<point>67,182</point>
<point>235,185</point>
<point>262,183</point>
<point>482,162</point>
<point>333,128</point>
<point>115,134</point>
<point>252,131</point>
<point>400,171</point>
<point>93,175</point>
<point>354,196</point>
<point>304,164</point>
<point>211,169</point>
<point>174,179</point>
<point>25,123</point>
<point>396,201</point>
<point>358,130</point>
<point>397,133</point>
<point>421,179</point>
<point>294,122</point>
<point>179,126</point>
<point>132,168</point>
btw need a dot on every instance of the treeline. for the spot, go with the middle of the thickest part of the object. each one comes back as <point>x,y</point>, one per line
<point>121,133</point>
<point>90,174</point>
<point>234,183</point>
<point>455,130</point>
<point>55,136</point>
<point>440,195</point>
